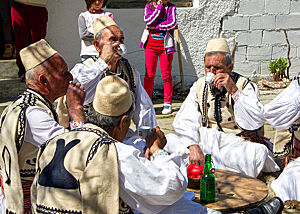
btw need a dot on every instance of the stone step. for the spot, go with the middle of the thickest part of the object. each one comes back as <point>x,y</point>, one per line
<point>10,89</point>
<point>8,69</point>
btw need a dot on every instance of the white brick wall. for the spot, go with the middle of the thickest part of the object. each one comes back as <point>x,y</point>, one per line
<point>281,51</point>
<point>288,21</point>
<point>251,7</point>
<point>295,6</point>
<point>264,68</point>
<point>294,37</point>
<point>236,23</point>
<point>249,37</point>
<point>277,6</point>
<point>273,37</point>
<point>240,53</point>
<point>295,68</point>
<point>247,68</point>
<point>262,22</point>
<point>259,53</point>
<point>298,52</point>
<point>264,40</point>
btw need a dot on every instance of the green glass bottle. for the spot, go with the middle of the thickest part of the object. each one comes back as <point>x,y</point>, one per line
<point>207,182</point>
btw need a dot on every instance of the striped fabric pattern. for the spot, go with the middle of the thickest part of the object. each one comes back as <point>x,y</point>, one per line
<point>26,191</point>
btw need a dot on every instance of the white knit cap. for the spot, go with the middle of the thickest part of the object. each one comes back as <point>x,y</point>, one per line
<point>36,54</point>
<point>101,23</point>
<point>113,96</point>
<point>217,45</point>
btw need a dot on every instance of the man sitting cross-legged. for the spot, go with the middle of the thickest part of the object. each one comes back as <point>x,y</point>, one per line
<point>217,112</point>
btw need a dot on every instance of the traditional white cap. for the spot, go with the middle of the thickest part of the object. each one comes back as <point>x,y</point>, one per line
<point>113,96</point>
<point>217,45</point>
<point>101,23</point>
<point>36,54</point>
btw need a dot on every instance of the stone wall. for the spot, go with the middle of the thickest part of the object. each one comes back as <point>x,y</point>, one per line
<point>196,26</point>
<point>258,28</point>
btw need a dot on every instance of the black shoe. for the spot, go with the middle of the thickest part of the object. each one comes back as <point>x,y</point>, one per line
<point>273,206</point>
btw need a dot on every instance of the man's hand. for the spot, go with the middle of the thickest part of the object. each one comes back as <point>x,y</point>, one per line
<point>196,155</point>
<point>155,140</point>
<point>224,80</point>
<point>75,97</point>
<point>107,53</point>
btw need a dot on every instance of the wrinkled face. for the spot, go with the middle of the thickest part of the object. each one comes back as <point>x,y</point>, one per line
<point>114,36</point>
<point>97,5</point>
<point>58,75</point>
<point>216,64</point>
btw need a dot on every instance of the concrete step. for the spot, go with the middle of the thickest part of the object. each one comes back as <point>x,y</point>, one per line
<point>8,69</point>
<point>10,89</point>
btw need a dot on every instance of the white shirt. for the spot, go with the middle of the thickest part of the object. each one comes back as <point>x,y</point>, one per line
<point>40,126</point>
<point>150,186</point>
<point>144,114</point>
<point>284,109</point>
<point>248,113</point>
<point>160,187</point>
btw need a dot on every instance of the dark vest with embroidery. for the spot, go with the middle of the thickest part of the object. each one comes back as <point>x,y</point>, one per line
<point>217,108</point>
<point>17,156</point>
<point>126,72</point>
<point>77,172</point>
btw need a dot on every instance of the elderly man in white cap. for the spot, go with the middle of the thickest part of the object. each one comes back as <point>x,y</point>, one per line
<point>109,42</point>
<point>219,107</point>
<point>31,120</point>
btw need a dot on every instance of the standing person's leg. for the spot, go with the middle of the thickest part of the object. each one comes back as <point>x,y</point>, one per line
<point>19,22</point>
<point>6,28</point>
<point>151,57</point>
<point>165,62</point>
<point>38,23</point>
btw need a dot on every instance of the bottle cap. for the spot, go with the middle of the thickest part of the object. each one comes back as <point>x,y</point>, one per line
<point>207,157</point>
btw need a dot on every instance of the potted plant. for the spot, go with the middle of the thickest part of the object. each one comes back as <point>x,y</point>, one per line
<point>277,68</point>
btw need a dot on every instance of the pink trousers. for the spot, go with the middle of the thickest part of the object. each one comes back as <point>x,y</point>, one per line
<point>165,61</point>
